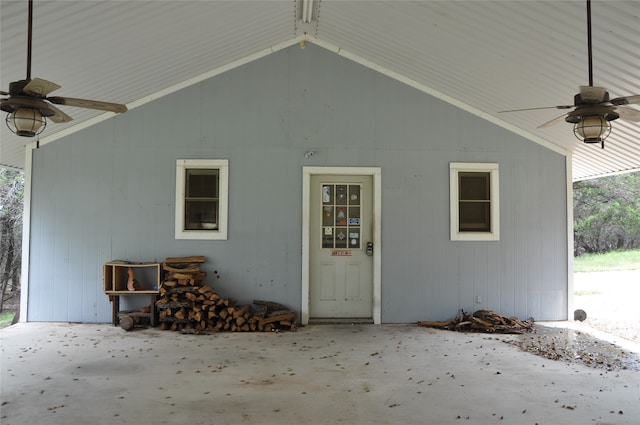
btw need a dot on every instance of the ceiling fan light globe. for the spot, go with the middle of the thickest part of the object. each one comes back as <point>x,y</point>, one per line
<point>592,129</point>
<point>26,122</point>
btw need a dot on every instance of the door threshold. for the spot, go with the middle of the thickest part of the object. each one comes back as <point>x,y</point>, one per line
<point>341,321</point>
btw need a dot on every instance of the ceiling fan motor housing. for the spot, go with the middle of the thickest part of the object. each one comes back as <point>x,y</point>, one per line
<point>15,103</point>
<point>17,87</point>
<point>583,112</point>
<point>591,95</point>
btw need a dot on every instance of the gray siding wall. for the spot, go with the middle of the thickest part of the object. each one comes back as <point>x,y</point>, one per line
<point>107,192</point>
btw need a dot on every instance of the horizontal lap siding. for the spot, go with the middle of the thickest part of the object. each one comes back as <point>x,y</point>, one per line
<point>107,192</point>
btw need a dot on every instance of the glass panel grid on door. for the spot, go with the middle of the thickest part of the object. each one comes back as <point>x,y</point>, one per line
<point>341,216</point>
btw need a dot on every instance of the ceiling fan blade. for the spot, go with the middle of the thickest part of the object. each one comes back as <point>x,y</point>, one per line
<point>39,87</point>
<point>4,93</point>
<point>626,100</point>
<point>628,114</point>
<point>535,109</point>
<point>58,116</point>
<point>91,104</point>
<point>553,121</point>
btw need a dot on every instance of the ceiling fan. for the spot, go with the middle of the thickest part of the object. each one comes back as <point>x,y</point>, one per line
<point>593,109</point>
<point>28,105</point>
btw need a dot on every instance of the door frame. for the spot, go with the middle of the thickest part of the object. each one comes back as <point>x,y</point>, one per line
<point>376,173</point>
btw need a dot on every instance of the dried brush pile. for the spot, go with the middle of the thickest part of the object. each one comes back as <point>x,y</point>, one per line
<point>482,321</point>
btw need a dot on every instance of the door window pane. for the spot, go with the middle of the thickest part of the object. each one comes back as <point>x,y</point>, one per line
<point>327,194</point>
<point>341,237</point>
<point>341,216</point>
<point>327,216</point>
<point>354,194</point>
<point>327,237</point>
<point>341,194</point>
<point>354,238</point>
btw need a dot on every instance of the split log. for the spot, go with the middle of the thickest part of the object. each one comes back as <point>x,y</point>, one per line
<point>126,322</point>
<point>197,275</point>
<point>261,311</point>
<point>192,259</point>
<point>185,289</point>
<point>191,268</point>
<point>241,311</point>
<point>205,289</point>
<point>278,313</point>
<point>167,304</point>
<point>180,275</point>
<point>273,306</point>
<point>289,316</point>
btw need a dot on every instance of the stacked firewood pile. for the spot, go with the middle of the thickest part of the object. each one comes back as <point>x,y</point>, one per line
<point>188,305</point>
<point>482,321</point>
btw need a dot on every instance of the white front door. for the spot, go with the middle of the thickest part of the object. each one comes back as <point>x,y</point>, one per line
<point>340,229</point>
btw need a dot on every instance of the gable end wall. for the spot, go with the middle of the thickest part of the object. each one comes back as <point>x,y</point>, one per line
<point>107,192</point>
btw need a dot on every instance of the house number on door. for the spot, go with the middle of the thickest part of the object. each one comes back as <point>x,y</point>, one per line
<point>341,216</point>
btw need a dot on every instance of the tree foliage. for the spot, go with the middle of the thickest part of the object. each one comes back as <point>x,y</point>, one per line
<point>11,209</point>
<point>606,214</point>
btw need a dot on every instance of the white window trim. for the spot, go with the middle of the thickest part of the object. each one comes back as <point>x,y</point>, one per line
<point>493,170</point>
<point>223,199</point>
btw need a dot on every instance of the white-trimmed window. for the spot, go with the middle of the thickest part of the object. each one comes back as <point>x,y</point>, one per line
<point>474,201</point>
<point>202,195</point>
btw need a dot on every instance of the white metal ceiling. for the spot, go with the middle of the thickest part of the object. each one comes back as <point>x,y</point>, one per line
<point>484,56</point>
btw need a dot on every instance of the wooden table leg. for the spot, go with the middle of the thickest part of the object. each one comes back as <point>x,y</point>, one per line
<point>115,308</point>
<point>153,316</point>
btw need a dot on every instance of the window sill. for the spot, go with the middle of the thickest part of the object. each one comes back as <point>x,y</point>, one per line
<point>475,236</point>
<point>200,235</point>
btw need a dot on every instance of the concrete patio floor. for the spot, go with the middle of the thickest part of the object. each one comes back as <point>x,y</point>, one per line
<point>58,373</point>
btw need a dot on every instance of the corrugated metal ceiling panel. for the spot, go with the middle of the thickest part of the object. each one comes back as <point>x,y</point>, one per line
<point>489,55</point>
